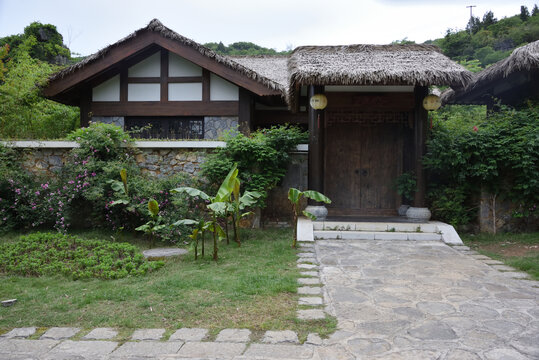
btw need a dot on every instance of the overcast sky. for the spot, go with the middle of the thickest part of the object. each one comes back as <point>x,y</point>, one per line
<point>88,26</point>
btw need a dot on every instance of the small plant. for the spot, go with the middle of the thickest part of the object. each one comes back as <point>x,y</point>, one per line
<point>418,229</point>
<point>155,224</point>
<point>391,229</point>
<point>406,186</point>
<point>294,196</point>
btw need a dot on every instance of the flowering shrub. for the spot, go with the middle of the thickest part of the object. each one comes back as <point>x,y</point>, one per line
<point>56,254</point>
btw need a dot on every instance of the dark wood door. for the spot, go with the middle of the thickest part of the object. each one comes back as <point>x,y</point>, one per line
<point>362,160</point>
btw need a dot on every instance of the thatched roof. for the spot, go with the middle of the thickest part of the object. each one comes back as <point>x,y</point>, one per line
<point>524,58</point>
<point>156,26</point>
<point>273,67</point>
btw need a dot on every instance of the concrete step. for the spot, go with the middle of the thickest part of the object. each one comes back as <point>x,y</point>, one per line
<point>375,226</point>
<point>375,235</point>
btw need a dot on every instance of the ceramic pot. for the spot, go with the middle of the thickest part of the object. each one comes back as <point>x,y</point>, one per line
<point>319,211</point>
<point>418,214</point>
<point>402,210</point>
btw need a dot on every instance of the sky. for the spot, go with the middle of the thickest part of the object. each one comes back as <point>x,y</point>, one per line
<point>88,26</point>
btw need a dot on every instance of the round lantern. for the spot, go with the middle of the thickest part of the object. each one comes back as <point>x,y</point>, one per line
<point>318,101</point>
<point>432,102</point>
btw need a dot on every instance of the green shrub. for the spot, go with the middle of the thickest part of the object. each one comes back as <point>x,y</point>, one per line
<point>262,159</point>
<point>57,254</point>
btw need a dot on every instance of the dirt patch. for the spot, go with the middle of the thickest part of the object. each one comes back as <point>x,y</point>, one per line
<point>508,249</point>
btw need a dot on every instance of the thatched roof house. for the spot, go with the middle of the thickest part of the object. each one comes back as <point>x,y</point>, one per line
<point>510,80</point>
<point>369,129</point>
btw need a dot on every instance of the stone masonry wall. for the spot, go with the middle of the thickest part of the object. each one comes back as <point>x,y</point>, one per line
<point>166,162</point>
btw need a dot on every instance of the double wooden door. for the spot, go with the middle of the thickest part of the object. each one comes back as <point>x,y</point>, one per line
<point>363,157</point>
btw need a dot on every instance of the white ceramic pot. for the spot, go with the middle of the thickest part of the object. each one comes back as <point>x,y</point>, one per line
<point>418,214</point>
<point>402,210</point>
<point>319,211</point>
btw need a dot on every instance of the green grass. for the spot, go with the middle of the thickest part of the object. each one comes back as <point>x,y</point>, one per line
<point>253,287</point>
<point>499,245</point>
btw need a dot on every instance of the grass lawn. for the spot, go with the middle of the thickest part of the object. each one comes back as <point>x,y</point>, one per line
<point>252,287</point>
<point>520,251</point>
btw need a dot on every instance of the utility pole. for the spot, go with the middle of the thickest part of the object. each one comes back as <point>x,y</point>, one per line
<point>471,16</point>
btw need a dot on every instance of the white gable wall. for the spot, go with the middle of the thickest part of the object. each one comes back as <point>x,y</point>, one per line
<point>185,92</point>
<point>222,90</point>
<point>143,92</point>
<point>108,90</point>
<point>178,67</point>
<point>149,67</point>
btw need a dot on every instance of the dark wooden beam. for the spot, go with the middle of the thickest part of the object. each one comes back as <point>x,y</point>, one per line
<point>85,101</point>
<point>123,85</point>
<point>245,111</point>
<point>143,80</point>
<point>164,76</point>
<point>275,117</point>
<point>420,136</point>
<point>316,144</point>
<point>185,79</point>
<point>205,86</point>
<point>170,108</point>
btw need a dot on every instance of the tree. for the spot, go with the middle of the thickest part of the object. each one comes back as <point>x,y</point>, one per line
<point>524,13</point>
<point>535,10</point>
<point>473,25</point>
<point>294,196</point>
<point>488,19</point>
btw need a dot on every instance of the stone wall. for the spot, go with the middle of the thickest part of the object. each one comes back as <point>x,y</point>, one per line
<point>114,120</point>
<point>166,162</point>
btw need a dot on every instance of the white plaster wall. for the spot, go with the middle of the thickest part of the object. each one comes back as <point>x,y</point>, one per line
<point>143,92</point>
<point>178,66</point>
<point>149,67</point>
<point>222,90</point>
<point>107,91</point>
<point>185,92</point>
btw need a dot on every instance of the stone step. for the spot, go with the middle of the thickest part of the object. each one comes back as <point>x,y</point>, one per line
<point>375,226</point>
<point>373,235</point>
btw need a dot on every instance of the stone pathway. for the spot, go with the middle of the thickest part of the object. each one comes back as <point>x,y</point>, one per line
<point>392,300</point>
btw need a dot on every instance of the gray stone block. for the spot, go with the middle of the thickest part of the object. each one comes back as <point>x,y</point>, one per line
<point>309,290</point>
<point>390,236</point>
<point>189,334</point>
<point>433,330</point>
<point>264,351</point>
<point>311,314</point>
<point>59,333</point>
<point>314,339</point>
<point>310,301</point>
<point>101,334</point>
<point>205,350</point>
<point>234,336</point>
<point>81,350</point>
<point>503,268</point>
<point>146,349</point>
<point>163,252</point>
<point>11,347</point>
<point>19,333</point>
<point>307,266</point>
<point>309,281</point>
<point>280,337</point>
<point>309,273</point>
<point>148,334</point>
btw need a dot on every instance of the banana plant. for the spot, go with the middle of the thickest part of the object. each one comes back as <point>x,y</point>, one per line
<point>218,205</point>
<point>154,225</point>
<point>237,205</point>
<point>294,196</point>
<point>199,231</point>
<point>120,187</point>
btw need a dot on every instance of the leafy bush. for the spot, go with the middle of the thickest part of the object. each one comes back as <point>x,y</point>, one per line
<point>498,154</point>
<point>262,159</point>
<point>56,254</point>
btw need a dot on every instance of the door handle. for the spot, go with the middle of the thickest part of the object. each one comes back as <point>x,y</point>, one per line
<point>364,172</point>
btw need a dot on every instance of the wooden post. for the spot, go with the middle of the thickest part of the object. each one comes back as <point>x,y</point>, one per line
<point>245,111</point>
<point>85,110</point>
<point>316,144</point>
<point>421,128</point>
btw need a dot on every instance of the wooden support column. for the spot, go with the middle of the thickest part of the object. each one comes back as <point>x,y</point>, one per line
<point>85,107</point>
<point>316,144</point>
<point>421,128</point>
<point>245,111</point>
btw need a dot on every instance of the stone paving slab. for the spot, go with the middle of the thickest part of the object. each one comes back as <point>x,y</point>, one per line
<point>12,347</point>
<point>309,281</point>
<point>19,333</point>
<point>310,300</point>
<point>146,349</point>
<point>307,266</point>
<point>503,268</point>
<point>311,314</point>
<point>163,253</point>
<point>309,273</point>
<point>189,334</point>
<point>307,260</point>
<point>234,336</point>
<point>59,333</point>
<point>493,262</point>
<point>147,334</point>
<point>264,351</point>
<point>101,334</point>
<point>90,350</point>
<point>461,247</point>
<point>280,337</point>
<point>205,350</point>
<point>309,290</point>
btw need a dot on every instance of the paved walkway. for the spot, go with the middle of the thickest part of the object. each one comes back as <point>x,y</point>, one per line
<point>392,299</point>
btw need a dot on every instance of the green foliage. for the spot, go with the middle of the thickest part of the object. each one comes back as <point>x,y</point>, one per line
<point>491,39</point>
<point>24,113</point>
<point>243,48</point>
<point>46,43</point>
<point>294,196</point>
<point>406,186</point>
<point>262,159</point>
<point>56,254</point>
<point>100,141</point>
<point>451,204</point>
<point>498,154</point>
